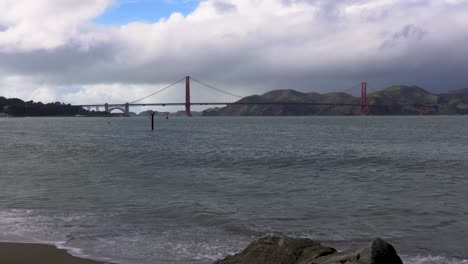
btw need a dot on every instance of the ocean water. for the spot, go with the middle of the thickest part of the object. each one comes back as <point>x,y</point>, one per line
<point>197,189</point>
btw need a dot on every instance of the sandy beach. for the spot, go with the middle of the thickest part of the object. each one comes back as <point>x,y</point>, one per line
<point>19,253</point>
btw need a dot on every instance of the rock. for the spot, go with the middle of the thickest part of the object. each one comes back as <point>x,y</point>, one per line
<point>286,250</point>
<point>279,250</point>
<point>377,252</point>
<point>383,253</point>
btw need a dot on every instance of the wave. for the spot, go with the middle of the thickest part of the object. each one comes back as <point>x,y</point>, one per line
<point>432,260</point>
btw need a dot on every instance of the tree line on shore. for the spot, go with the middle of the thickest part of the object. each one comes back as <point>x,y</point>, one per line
<point>18,107</point>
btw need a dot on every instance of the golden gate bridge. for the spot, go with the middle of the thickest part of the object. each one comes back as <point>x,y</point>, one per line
<point>198,93</point>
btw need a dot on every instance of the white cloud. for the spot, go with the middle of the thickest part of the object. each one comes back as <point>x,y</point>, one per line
<point>15,86</point>
<point>261,44</point>
<point>48,24</point>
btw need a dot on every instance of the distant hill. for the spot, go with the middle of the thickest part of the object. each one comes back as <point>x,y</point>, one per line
<point>402,100</point>
<point>454,102</point>
<point>394,100</point>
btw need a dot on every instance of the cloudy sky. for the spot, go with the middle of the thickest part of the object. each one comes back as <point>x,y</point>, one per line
<point>84,51</point>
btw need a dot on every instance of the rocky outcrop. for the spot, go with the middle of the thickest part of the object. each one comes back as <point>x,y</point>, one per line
<point>377,252</point>
<point>286,250</point>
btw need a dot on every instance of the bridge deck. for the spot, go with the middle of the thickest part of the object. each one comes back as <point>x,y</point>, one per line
<point>251,103</point>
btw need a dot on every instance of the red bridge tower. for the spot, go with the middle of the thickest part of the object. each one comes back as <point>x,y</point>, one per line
<point>187,96</point>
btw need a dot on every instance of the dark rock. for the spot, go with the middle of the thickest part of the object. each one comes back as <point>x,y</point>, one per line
<point>279,250</point>
<point>377,252</point>
<point>285,250</point>
<point>383,253</point>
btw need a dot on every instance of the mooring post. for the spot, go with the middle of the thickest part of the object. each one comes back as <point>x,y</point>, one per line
<point>364,98</point>
<point>152,121</point>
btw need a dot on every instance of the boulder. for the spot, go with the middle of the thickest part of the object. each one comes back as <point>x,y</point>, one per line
<point>286,250</point>
<point>279,250</point>
<point>377,252</point>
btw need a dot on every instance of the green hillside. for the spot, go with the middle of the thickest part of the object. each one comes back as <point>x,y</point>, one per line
<point>394,100</point>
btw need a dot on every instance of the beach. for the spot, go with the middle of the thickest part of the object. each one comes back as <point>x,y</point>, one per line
<point>22,253</point>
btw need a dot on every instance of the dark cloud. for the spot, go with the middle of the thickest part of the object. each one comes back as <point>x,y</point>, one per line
<point>224,7</point>
<point>435,69</point>
<point>324,50</point>
<point>407,33</point>
<point>67,60</point>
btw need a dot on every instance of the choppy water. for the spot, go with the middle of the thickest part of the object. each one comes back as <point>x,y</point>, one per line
<point>200,188</point>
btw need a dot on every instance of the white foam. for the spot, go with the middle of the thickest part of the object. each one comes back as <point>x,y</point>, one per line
<point>23,226</point>
<point>13,215</point>
<point>432,260</point>
<point>78,252</point>
<point>28,226</point>
<point>13,226</point>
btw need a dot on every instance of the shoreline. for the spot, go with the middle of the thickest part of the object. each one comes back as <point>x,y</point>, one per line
<point>32,253</point>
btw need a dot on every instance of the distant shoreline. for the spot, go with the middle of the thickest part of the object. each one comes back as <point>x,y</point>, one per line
<point>209,116</point>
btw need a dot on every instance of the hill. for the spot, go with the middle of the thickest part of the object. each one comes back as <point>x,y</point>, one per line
<point>454,102</point>
<point>394,100</point>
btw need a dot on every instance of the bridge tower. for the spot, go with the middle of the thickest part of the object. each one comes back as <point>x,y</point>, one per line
<point>364,99</point>
<point>187,97</point>
<point>127,110</point>
<point>106,107</point>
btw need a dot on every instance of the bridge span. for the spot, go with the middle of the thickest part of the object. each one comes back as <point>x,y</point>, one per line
<point>225,99</point>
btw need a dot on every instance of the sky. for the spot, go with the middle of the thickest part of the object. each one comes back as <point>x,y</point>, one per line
<point>127,11</point>
<point>96,51</point>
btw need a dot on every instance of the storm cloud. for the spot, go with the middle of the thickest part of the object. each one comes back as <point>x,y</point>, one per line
<point>51,51</point>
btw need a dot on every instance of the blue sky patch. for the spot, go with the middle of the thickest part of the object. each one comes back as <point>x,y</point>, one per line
<point>125,11</point>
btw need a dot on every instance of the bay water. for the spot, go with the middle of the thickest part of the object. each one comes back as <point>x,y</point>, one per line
<point>197,189</point>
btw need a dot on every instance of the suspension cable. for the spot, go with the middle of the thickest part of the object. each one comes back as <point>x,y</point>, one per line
<point>349,89</point>
<point>214,88</point>
<point>155,93</point>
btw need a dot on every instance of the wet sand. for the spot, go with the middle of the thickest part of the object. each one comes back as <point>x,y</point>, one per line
<point>19,253</point>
